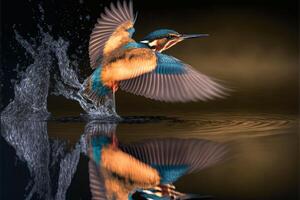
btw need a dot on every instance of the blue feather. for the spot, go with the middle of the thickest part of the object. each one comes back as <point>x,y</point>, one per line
<point>97,143</point>
<point>131,31</point>
<point>134,45</point>
<point>170,173</point>
<point>97,85</point>
<point>168,65</point>
<point>159,34</point>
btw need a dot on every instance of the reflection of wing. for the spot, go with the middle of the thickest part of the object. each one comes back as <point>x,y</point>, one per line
<point>111,20</point>
<point>173,81</point>
<point>176,157</point>
<point>97,185</point>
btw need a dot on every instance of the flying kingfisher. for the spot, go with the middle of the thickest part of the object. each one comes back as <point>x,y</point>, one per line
<point>147,169</point>
<point>140,67</point>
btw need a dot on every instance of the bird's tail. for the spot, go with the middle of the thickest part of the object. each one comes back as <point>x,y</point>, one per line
<point>94,89</point>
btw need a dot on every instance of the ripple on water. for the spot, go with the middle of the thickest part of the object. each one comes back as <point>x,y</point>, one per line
<point>220,126</point>
<point>224,125</point>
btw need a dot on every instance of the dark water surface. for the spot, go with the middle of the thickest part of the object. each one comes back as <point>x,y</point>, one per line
<point>47,160</point>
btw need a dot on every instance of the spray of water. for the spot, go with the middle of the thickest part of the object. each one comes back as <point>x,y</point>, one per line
<point>51,167</point>
<point>45,159</point>
<point>68,85</point>
<point>31,92</point>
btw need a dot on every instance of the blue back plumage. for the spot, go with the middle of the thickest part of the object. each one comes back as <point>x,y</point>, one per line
<point>168,65</point>
<point>159,34</point>
<point>134,45</point>
<point>170,173</point>
<point>97,85</point>
<point>98,142</point>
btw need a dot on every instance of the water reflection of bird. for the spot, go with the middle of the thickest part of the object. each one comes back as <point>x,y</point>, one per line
<point>140,67</point>
<point>145,170</point>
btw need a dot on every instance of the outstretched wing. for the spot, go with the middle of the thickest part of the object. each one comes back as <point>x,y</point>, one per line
<point>173,158</point>
<point>97,185</point>
<point>113,18</point>
<point>174,81</point>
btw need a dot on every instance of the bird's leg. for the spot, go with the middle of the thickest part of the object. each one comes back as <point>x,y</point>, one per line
<point>114,89</point>
<point>115,142</point>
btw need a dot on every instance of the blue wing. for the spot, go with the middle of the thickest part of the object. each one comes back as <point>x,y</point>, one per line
<point>169,65</point>
<point>170,173</point>
<point>174,158</point>
<point>174,81</point>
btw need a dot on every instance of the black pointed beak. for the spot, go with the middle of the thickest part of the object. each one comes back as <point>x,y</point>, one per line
<point>189,36</point>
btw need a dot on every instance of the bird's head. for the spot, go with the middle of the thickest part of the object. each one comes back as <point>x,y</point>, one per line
<point>162,39</point>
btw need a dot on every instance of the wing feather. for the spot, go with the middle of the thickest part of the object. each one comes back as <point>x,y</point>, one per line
<point>192,154</point>
<point>97,185</point>
<point>174,81</point>
<point>109,21</point>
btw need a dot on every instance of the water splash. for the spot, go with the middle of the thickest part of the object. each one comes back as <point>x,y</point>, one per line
<point>68,166</point>
<point>68,85</point>
<point>45,159</point>
<point>32,90</point>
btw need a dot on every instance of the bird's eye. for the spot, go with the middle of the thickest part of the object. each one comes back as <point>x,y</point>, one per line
<point>169,37</point>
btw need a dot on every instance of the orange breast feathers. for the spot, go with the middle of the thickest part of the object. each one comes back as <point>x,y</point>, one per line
<point>128,64</point>
<point>129,167</point>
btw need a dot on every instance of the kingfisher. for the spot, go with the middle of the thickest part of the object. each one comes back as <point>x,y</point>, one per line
<point>147,169</point>
<point>140,67</point>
